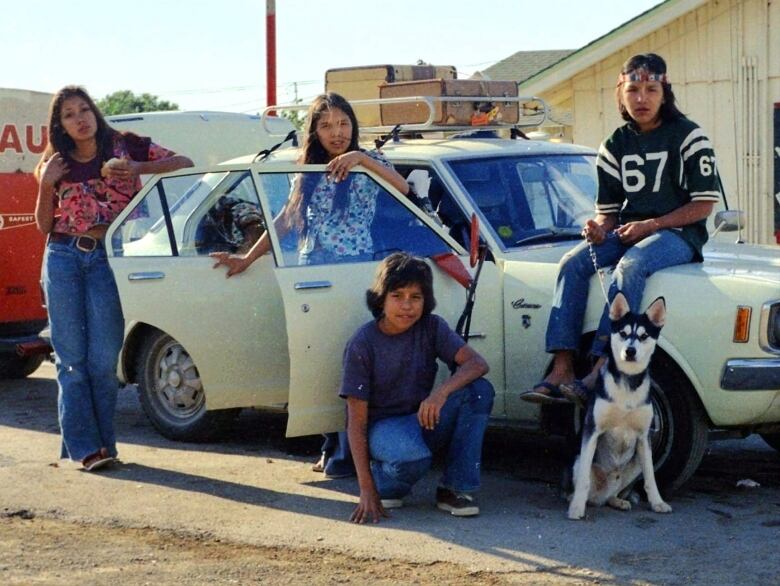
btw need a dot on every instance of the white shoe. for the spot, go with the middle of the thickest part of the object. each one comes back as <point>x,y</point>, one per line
<point>392,503</point>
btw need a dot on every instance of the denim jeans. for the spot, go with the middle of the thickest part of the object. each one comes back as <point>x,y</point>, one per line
<point>338,456</point>
<point>401,451</point>
<point>635,263</point>
<point>87,327</point>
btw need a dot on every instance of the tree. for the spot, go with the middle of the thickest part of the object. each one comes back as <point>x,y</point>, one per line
<point>297,117</point>
<point>126,102</point>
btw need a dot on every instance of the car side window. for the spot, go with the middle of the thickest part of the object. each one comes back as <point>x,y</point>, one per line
<point>145,231</point>
<point>356,220</point>
<point>193,215</point>
<point>228,220</point>
<point>436,200</point>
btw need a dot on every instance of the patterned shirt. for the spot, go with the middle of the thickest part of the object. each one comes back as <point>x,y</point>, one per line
<point>646,175</point>
<point>85,199</point>
<point>347,233</point>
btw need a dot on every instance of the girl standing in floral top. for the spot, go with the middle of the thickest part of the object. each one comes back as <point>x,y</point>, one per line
<point>332,212</point>
<point>87,175</point>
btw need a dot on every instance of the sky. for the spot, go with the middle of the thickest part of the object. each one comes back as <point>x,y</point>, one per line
<point>210,55</point>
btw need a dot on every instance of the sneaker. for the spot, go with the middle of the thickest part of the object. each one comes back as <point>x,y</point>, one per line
<point>458,504</point>
<point>392,503</point>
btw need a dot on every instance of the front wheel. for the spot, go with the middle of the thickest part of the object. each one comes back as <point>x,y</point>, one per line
<point>678,432</point>
<point>172,395</point>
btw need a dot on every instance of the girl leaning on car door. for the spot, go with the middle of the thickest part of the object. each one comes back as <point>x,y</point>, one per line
<point>332,214</point>
<point>88,173</point>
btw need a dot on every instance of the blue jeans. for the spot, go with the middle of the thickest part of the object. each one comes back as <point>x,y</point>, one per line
<point>635,263</point>
<point>401,451</point>
<point>87,327</point>
<point>338,456</point>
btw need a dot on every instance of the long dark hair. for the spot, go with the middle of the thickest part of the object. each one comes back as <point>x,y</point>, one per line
<point>652,63</point>
<point>313,153</point>
<point>59,140</point>
<point>400,269</point>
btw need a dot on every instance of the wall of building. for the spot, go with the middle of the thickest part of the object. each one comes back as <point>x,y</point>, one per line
<point>724,61</point>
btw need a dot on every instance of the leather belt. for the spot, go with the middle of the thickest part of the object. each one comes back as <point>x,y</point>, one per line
<point>83,243</point>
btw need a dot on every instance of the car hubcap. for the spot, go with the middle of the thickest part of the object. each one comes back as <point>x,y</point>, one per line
<point>178,389</point>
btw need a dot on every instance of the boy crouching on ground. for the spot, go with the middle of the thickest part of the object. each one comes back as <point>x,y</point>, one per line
<point>396,419</point>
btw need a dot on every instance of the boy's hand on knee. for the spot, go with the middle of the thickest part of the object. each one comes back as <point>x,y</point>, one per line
<point>430,409</point>
<point>369,509</point>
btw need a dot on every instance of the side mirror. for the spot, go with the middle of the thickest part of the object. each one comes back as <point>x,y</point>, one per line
<point>729,220</point>
<point>474,241</point>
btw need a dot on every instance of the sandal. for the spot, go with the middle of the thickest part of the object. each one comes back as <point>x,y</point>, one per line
<point>576,392</point>
<point>551,395</point>
<point>320,465</point>
<point>97,460</point>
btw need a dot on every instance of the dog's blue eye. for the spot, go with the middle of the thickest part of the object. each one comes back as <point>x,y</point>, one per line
<point>623,335</point>
<point>643,337</point>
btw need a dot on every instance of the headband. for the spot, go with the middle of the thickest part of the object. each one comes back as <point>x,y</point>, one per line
<point>642,74</point>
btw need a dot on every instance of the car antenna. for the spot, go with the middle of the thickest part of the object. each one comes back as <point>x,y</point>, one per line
<point>382,141</point>
<point>263,155</point>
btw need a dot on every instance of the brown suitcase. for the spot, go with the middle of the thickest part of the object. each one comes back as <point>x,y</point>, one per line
<point>362,83</point>
<point>450,113</point>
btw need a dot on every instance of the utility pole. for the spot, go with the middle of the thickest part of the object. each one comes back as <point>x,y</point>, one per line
<point>270,52</point>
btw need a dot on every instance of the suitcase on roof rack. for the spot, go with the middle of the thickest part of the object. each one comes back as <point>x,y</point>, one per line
<point>449,113</point>
<point>362,83</point>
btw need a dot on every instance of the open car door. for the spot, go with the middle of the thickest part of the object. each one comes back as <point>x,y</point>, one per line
<point>195,335</point>
<point>324,304</point>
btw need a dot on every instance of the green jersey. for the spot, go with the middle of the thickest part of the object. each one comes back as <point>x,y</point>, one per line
<point>647,175</point>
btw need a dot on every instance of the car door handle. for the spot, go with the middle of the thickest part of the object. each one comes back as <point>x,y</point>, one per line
<point>301,285</point>
<point>146,276</point>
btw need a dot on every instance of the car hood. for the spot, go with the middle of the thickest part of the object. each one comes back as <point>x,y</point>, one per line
<point>748,261</point>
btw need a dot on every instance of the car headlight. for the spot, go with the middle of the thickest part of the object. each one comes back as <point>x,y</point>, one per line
<point>770,326</point>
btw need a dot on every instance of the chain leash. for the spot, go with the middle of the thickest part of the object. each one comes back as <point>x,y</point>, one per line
<point>599,271</point>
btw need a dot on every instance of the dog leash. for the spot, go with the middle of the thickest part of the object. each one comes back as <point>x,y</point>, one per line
<point>599,271</point>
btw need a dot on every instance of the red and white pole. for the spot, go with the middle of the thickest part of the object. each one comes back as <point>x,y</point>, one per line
<point>270,52</point>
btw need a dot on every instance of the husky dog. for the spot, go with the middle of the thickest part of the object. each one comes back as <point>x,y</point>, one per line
<point>615,447</point>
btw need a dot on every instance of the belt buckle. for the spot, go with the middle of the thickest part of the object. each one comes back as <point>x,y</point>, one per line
<point>91,243</point>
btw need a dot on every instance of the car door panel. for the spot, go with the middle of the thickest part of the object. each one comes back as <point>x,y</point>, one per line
<point>233,329</point>
<point>325,304</point>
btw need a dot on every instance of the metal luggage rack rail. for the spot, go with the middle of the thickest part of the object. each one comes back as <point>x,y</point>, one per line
<point>538,113</point>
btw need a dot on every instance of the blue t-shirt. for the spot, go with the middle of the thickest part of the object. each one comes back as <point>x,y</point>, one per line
<point>396,373</point>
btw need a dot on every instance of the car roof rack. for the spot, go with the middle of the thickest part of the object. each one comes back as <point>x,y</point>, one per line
<point>533,113</point>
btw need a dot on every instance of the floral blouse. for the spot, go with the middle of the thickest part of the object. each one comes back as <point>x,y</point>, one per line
<point>348,233</point>
<point>85,199</point>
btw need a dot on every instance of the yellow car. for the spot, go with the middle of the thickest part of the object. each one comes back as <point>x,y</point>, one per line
<point>200,347</point>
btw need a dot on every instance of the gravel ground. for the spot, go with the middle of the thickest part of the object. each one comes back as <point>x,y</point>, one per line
<point>249,509</point>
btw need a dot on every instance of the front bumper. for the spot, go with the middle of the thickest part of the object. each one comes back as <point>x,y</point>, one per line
<point>751,374</point>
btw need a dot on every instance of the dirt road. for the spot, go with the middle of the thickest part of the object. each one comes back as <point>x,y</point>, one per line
<point>250,510</point>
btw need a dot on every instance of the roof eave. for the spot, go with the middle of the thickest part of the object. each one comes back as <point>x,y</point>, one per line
<point>608,44</point>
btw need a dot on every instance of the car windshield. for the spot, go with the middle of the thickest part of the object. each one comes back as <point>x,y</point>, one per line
<point>531,199</point>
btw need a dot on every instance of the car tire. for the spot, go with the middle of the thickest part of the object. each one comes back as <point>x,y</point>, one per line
<point>172,395</point>
<point>772,440</point>
<point>19,366</point>
<point>679,430</point>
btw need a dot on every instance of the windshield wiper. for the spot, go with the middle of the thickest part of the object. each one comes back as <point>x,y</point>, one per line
<point>551,234</point>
